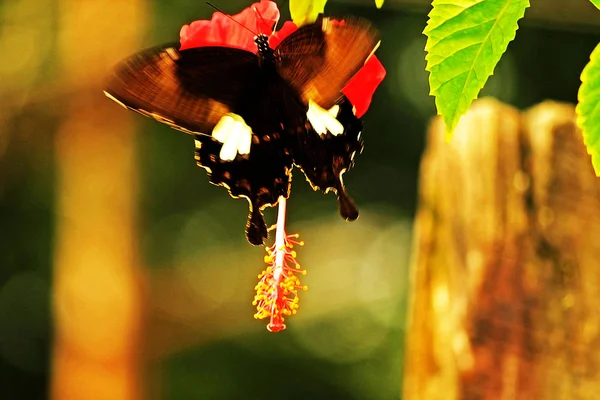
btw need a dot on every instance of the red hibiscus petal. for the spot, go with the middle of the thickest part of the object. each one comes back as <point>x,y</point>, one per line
<point>264,15</point>
<point>199,33</point>
<point>286,30</point>
<point>360,88</point>
<point>222,31</point>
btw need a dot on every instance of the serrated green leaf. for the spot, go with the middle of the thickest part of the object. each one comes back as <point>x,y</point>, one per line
<point>596,3</point>
<point>588,107</point>
<point>306,11</point>
<point>378,3</point>
<point>465,41</point>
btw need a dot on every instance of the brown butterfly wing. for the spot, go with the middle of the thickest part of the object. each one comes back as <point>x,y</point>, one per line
<point>319,59</point>
<point>189,90</point>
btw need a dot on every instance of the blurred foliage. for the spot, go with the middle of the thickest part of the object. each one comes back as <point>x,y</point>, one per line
<point>588,112</point>
<point>346,342</point>
<point>306,11</point>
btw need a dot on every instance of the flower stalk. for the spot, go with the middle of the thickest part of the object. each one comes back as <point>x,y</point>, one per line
<point>277,289</point>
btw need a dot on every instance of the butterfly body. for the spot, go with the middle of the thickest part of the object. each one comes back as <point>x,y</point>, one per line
<point>192,89</point>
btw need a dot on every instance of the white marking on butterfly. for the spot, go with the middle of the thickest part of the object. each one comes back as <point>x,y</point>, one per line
<point>236,136</point>
<point>324,120</point>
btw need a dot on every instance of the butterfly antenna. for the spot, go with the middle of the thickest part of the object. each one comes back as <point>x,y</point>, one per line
<point>231,18</point>
<point>261,17</point>
<point>277,22</point>
<point>275,26</point>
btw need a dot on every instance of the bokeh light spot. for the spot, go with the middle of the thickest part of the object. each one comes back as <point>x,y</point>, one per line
<point>412,79</point>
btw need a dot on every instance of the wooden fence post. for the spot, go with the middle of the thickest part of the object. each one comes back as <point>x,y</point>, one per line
<point>506,262</point>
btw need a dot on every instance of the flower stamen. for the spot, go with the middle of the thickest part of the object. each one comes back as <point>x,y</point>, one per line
<point>277,289</point>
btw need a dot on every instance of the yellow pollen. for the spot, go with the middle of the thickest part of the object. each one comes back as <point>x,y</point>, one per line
<point>277,290</point>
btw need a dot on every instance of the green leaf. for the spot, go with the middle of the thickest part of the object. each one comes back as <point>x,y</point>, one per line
<point>588,108</point>
<point>465,41</point>
<point>306,11</point>
<point>596,3</point>
<point>379,3</point>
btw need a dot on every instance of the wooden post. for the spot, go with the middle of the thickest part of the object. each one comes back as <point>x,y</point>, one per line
<point>97,283</point>
<point>505,271</point>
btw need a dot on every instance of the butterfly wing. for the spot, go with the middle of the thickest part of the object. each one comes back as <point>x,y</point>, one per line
<point>189,90</point>
<point>272,111</point>
<point>319,59</point>
<point>261,178</point>
<point>324,159</point>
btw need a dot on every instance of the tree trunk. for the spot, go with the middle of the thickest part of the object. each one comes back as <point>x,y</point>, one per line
<point>97,282</point>
<point>505,276</point>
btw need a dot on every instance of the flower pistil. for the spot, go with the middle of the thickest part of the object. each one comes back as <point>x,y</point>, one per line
<point>277,289</point>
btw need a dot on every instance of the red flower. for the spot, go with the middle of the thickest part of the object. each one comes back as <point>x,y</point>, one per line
<point>360,88</point>
<point>286,30</point>
<point>222,31</point>
<point>260,17</point>
<point>278,286</point>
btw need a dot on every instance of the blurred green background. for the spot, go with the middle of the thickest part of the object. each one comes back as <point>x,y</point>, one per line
<point>200,340</point>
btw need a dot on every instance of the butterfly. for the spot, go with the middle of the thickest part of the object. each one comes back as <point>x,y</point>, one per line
<point>269,94</point>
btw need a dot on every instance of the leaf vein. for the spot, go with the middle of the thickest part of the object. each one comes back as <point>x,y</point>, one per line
<point>479,52</point>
